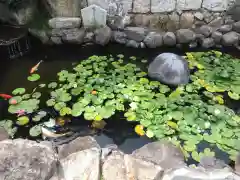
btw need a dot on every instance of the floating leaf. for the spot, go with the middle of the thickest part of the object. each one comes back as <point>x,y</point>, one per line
<point>233,95</point>
<point>65,111</point>
<point>33,77</point>
<point>149,134</point>
<point>139,129</point>
<point>99,124</point>
<point>42,85</point>
<point>51,102</point>
<point>19,91</point>
<point>35,131</point>
<point>52,85</point>
<point>8,126</point>
<point>36,95</point>
<point>23,120</point>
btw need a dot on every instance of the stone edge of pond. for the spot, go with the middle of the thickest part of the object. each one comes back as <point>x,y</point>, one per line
<point>83,158</point>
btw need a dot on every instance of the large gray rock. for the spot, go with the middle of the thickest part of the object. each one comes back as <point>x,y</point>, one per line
<point>136,33</point>
<point>236,26</point>
<point>215,5</point>
<point>188,4</point>
<point>208,43</point>
<point>186,20</point>
<point>65,22</point>
<point>187,173</point>
<point>103,35</point>
<point>162,6</point>
<point>114,166</point>
<point>118,22</point>
<point>132,43</point>
<point>225,28</point>
<point>230,38</point>
<point>185,36</point>
<point>56,40</point>
<point>142,170</point>
<point>79,144</point>
<point>206,30</point>
<point>82,165</point>
<point>73,36</point>
<point>153,40</point>
<point>169,39</point>
<point>26,160</point>
<point>3,134</point>
<point>119,37</point>
<point>217,36</point>
<point>141,6</point>
<point>161,153</point>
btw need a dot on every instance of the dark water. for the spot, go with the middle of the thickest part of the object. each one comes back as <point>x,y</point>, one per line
<point>14,73</point>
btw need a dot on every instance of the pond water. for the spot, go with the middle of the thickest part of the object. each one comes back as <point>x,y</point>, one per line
<point>14,73</point>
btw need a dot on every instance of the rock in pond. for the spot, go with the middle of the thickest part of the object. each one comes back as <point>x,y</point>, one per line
<point>170,69</point>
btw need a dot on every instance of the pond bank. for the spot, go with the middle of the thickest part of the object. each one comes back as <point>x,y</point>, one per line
<point>83,158</point>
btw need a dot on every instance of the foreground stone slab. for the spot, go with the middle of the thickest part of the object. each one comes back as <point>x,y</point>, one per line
<point>189,4</point>
<point>79,144</point>
<point>82,165</point>
<point>162,153</point>
<point>26,160</point>
<point>141,170</point>
<point>187,173</point>
<point>159,6</point>
<point>65,22</point>
<point>94,16</point>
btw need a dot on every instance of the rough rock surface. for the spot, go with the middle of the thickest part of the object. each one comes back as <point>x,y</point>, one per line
<point>141,6</point>
<point>119,37</point>
<point>153,40</point>
<point>208,43</point>
<point>40,34</point>
<point>230,38</point>
<point>73,36</point>
<point>161,153</point>
<point>186,20</point>
<point>103,35</point>
<point>189,4</point>
<point>217,36</point>
<point>136,33</point>
<point>26,160</point>
<point>185,36</point>
<point>206,30</point>
<point>64,22</point>
<point>3,134</point>
<point>132,43</point>
<point>82,165</point>
<point>169,39</point>
<point>159,6</point>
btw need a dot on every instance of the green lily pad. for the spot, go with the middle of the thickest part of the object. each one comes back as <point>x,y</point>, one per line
<point>51,102</point>
<point>65,111</point>
<point>52,85</point>
<point>36,95</point>
<point>33,77</point>
<point>35,131</point>
<point>19,91</point>
<point>8,126</point>
<point>23,120</point>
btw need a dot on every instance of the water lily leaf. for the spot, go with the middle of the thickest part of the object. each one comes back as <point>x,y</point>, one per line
<point>23,120</point>
<point>233,95</point>
<point>99,124</point>
<point>8,126</point>
<point>164,89</point>
<point>130,115</point>
<point>37,118</point>
<point>35,131</point>
<point>65,111</point>
<point>51,102</point>
<point>33,77</point>
<point>90,115</point>
<point>149,133</point>
<point>26,96</point>
<point>15,100</point>
<point>189,146</point>
<point>98,118</point>
<point>36,95</point>
<point>177,115</point>
<point>52,85</point>
<point>42,85</point>
<point>195,156</point>
<point>59,106</point>
<point>19,91</point>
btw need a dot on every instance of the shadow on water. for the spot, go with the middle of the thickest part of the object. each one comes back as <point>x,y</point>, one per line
<point>13,74</point>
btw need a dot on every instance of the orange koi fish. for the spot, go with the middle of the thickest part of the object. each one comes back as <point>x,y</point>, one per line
<point>35,68</point>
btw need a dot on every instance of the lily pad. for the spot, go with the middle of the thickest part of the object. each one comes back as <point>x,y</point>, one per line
<point>33,77</point>
<point>52,85</point>
<point>35,131</point>
<point>36,95</point>
<point>23,120</point>
<point>19,91</point>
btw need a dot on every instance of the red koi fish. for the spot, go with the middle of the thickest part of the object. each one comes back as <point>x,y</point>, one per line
<point>5,96</point>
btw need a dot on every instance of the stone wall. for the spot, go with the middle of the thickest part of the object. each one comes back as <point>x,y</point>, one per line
<point>148,23</point>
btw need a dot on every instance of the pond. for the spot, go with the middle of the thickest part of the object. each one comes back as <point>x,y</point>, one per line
<point>15,73</point>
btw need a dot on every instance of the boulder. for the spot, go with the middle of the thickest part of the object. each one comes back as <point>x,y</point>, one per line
<point>73,35</point>
<point>185,36</point>
<point>132,43</point>
<point>40,34</point>
<point>186,20</point>
<point>65,22</point>
<point>26,160</point>
<point>118,22</point>
<point>56,40</point>
<point>82,164</point>
<point>236,26</point>
<point>169,39</point>
<point>217,36</point>
<point>170,69</point>
<point>225,28</point>
<point>206,30</point>
<point>119,37</point>
<point>136,33</point>
<point>208,43</point>
<point>161,153</point>
<point>3,134</point>
<point>103,35</point>
<point>230,38</point>
<point>153,40</point>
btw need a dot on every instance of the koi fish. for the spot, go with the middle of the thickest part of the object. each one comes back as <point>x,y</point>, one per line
<point>35,68</point>
<point>5,96</point>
